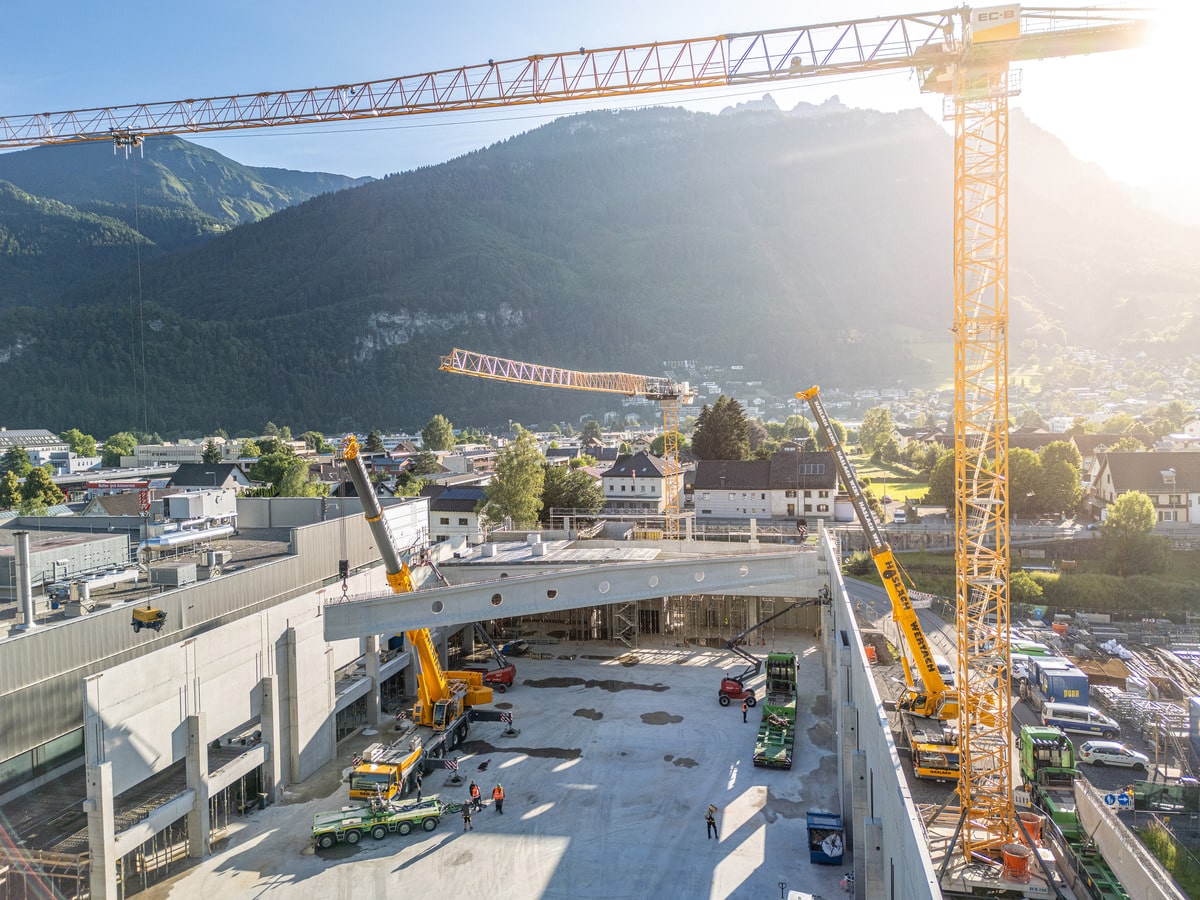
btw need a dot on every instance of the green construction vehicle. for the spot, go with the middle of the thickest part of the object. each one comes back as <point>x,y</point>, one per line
<point>777,728</point>
<point>351,824</point>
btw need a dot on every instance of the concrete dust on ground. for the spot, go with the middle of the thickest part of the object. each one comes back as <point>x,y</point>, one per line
<point>601,801</point>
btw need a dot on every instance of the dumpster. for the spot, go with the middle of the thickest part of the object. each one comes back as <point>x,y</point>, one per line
<point>826,839</point>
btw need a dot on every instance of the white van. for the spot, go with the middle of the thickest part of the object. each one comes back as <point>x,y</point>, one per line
<point>944,668</point>
<point>900,517</point>
<point>1082,719</point>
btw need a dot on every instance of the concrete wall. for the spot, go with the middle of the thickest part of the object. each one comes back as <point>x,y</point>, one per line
<point>891,859</point>
<point>1138,871</point>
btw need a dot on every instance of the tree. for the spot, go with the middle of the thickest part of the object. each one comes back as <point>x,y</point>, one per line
<point>10,490</point>
<point>1023,589</point>
<point>757,434</point>
<point>941,482</point>
<point>250,449</point>
<point>120,444</point>
<point>1080,425</point>
<point>887,450</point>
<point>316,442</point>
<point>567,430</point>
<point>211,453</point>
<point>767,449</point>
<point>1063,451</point>
<point>374,443</point>
<point>582,461</point>
<point>722,431</point>
<point>658,445</point>
<point>516,490</point>
<point>16,460</point>
<point>425,464</point>
<point>1127,444</point>
<point>438,434</point>
<point>1061,491</point>
<point>270,430</point>
<point>565,488</point>
<point>590,432</point>
<point>876,425</point>
<point>294,480</point>
<point>1025,482</point>
<point>270,445</point>
<point>1030,418</point>
<point>1130,547</point>
<point>799,428</point>
<point>81,444</point>
<point>40,491</point>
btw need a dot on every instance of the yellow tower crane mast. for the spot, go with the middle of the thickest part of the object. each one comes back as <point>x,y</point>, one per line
<point>667,392</point>
<point>961,53</point>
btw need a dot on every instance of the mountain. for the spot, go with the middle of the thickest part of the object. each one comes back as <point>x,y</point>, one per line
<point>163,197</point>
<point>808,246</point>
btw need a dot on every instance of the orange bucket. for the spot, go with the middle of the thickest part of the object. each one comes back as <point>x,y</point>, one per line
<point>1033,824</point>
<point>870,648</point>
<point>1060,628</point>
<point>1016,862</point>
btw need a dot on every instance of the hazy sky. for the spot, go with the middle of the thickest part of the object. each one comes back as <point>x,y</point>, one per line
<point>1127,111</point>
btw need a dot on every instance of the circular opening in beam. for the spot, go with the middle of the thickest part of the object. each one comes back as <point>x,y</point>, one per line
<point>497,599</point>
<point>744,571</point>
<point>653,581</point>
<point>603,587</point>
<point>437,607</point>
<point>551,594</point>
<point>699,576</point>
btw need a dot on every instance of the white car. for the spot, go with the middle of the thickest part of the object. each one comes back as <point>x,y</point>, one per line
<point>1112,753</point>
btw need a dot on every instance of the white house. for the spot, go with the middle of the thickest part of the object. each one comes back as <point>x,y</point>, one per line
<point>1171,480</point>
<point>637,484</point>
<point>792,484</point>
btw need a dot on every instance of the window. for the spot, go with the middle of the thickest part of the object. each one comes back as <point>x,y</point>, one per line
<point>622,488</point>
<point>706,512</point>
<point>462,521</point>
<point>743,495</point>
<point>732,495</point>
<point>808,507</point>
<point>1166,515</point>
<point>762,496</point>
<point>808,493</point>
<point>822,507</point>
<point>789,493</point>
<point>444,520</point>
<point>822,494</point>
<point>704,495</point>
<point>643,489</point>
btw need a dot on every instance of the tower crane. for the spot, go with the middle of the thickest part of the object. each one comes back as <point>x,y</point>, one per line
<point>666,391</point>
<point>963,54</point>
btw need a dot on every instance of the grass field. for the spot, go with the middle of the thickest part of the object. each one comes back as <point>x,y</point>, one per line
<point>887,481</point>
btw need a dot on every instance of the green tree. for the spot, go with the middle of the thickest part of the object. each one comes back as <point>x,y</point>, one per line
<point>876,425</point>
<point>81,444</point>
<point>624,449</point>
<point>120,444</point>
<point>16,460</point>
<point>270,430</point>
<point>516,489</point>
<point>1023,589</point>
<point>941,482</point>
<point>1130,547</point>
<point>1030,418</point>
<point>887,450</point>
<point>583,460</point>
<point>285,433</point>
<point>1025,482</point>
<point>799,428</point>
<point>1061,490</point>
<point>567,430</point>
<point>250,449</point>
<point>425,463</point>
<point>315,441</point>
<point>657,445</point>
<point>211,453</point>
<point>275,466</point>
<point>438,434</point>
<point>566,488</point>
<point>374,443</point>
<point>757,433</point>
<point>295,481</point>
<point>10,490</point>
<point>722,431</point>
<point>1081,425</point>
<point>1063,451</point>
<point>271,445</point>
<point>590,432</point>
<point>1127,444</point>
<point>39,490</point>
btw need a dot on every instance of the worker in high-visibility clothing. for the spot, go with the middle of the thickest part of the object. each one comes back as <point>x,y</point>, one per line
<point>498,796</point>
<point>476,797</point>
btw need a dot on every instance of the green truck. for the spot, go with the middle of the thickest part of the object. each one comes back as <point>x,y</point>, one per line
<point>351,824</point>
<point>777,728</point>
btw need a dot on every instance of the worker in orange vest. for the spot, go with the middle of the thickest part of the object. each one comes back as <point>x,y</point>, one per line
<point>498,796</point>
<point>745,707</point>
<point>476,797</point>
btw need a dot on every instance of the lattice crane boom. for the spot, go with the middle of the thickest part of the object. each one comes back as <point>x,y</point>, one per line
<point>666,391</point>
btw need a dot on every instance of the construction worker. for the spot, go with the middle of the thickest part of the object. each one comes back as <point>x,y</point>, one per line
<point>745,707</point>
<point>710,817</point>
<point>417,781</point>
<point>476,797</point>
<point>466,814</point>
<point>498,796</point>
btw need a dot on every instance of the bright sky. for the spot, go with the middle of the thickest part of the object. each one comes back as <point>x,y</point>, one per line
<point>1127,111</point>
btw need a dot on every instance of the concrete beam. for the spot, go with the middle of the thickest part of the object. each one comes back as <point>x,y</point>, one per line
<point>592,585</point>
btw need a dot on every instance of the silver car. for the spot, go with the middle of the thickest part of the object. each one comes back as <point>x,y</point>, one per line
<point>1112,753</point>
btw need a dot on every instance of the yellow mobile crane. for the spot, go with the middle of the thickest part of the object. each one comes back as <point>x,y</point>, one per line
<point>441,717</point>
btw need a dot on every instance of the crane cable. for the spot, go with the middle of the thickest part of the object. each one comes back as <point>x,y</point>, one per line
<point>138,337</point>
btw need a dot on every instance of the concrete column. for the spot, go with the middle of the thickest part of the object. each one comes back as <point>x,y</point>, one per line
<point>196,763</point>
<point>293,696</point>
<point>24,581</point>
<point>847,746</point>
<point>443,648</point>
<point>468,639</point>
<point>371,658</point>
<point>272,734</point>
<point>859,810</point>
<point>870,850</point>
<point>101,825</point>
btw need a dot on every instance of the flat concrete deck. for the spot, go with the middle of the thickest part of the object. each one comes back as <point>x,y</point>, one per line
<point>606,785</point>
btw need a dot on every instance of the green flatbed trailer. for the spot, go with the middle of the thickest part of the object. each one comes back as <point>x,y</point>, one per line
<point>776,736</point>
<point>351,824</point>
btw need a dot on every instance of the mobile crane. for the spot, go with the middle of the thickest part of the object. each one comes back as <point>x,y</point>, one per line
<point>441,717</point>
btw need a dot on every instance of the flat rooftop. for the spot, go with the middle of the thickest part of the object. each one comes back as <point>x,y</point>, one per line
<point>618,755</point>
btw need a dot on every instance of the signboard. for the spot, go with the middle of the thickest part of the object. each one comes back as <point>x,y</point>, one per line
<point>996,23</point>
<point>1022,798</point>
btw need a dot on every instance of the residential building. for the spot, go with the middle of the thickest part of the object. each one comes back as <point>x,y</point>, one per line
<point>790,485</point>
<point>206,476</point>
<point>453,511</point>
<point>1170,480</point>
<point>636,483</point>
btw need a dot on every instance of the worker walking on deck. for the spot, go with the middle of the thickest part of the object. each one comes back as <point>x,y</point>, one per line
<point>466,814</point>
<point>476,797</point>
<point>498,796</point>
<point>745,708</point>
<point>417,781</point>
<point>710,817</point>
